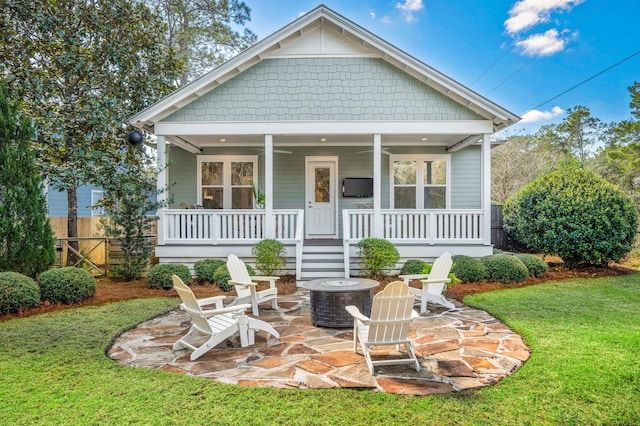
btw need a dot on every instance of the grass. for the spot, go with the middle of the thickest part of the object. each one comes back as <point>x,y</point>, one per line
<point>584,369</point>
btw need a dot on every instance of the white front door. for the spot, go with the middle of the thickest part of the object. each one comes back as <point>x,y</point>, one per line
<point>321,197</point>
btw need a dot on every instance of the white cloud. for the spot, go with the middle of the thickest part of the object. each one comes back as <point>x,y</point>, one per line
<point>385,19</point>
<point>535,115</point>
<point>544,44</point>
<point>409,7</point>
<point>372,15</point>
<point>528,13</point>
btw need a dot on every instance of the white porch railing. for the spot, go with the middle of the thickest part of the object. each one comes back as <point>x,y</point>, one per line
<point>413,226</point>
<point>426,226</point>
<point>232,226</point>
<point>217,226</point>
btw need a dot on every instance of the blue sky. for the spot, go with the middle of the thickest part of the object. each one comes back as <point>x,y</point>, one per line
<point>518,54</point>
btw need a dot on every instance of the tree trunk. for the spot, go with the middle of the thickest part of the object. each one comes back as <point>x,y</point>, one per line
<point>72,226</point>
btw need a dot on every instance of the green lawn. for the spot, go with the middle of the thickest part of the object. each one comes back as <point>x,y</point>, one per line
<point>584,369</point>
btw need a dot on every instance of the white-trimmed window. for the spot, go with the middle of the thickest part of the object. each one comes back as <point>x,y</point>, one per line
<point>227,181</point>
<point>419,181</point>
<point>96,195</point>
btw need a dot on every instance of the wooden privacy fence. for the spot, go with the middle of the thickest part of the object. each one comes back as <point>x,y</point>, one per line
<point>99,255</point>
<point>498,237</point>
<point>96,253</point>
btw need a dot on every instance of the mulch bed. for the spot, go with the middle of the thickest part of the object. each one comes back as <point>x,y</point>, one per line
<point>112,290</point>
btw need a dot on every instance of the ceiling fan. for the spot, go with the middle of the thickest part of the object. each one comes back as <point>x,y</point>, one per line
<point>385,151</point>
<point>279,151</point>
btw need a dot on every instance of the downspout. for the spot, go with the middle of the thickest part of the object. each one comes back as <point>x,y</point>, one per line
<point>161,186</point>
<point>486,189</point>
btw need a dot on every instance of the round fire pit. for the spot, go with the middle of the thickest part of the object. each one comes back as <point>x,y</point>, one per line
<point>330,296</point>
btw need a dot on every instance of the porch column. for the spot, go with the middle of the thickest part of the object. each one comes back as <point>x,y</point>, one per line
<point>161,154</point>
<point>377,186</point>
<point>269,222</point>
<point>486,188</point>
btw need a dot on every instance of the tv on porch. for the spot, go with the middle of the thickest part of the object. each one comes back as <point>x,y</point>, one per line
<point>357,187</point>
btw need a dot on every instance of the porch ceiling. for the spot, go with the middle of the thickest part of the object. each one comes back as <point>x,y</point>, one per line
<point>204,141</point>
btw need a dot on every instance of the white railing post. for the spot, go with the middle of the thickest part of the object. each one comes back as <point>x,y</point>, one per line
<point>269,220</point>
<point>299,238</point>
<point>346,236</point>
<point>486,189</point>
<point>378,230</point>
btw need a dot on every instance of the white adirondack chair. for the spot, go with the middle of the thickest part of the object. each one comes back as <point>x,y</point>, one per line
<point>245,285</point>
<point>391,314</point>
<point>434,283</point>
<point>218,324</point>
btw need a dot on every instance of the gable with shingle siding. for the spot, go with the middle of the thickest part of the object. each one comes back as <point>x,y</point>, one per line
<point>322,89</point>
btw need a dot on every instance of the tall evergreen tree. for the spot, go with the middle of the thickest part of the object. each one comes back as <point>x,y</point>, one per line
<point>82,67</point>
<point>26,238</point>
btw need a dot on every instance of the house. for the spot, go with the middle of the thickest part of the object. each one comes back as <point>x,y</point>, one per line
<point>344,135</point>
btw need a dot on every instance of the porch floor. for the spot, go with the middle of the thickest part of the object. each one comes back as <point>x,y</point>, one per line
<point>458,350</point>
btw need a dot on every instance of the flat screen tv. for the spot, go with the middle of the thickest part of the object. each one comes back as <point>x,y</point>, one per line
<point>357,187</point>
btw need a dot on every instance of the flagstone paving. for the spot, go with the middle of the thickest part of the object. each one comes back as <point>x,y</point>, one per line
<point>458,350</point>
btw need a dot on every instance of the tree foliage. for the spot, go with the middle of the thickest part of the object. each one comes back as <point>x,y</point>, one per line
<point>82,68</point>
<point>575,214</point>
<point>130,204</point>
<point>517,162</point>
<point>202,32</point>
<point>26,238</point>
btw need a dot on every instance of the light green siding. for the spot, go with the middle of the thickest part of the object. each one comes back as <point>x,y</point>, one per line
<point>289,174</point>
<point>319,89</point>
<point>182,174</point>
<point>466,178</point>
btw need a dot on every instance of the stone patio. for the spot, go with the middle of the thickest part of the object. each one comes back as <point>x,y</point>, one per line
<point>459,349</point>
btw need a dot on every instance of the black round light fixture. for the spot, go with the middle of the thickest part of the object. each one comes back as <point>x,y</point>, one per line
<point>135,138</point>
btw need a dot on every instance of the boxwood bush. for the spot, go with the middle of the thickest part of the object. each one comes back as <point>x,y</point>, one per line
<point>17,292</point>
<point>536,266</point>
<point>378,256</point>
<point>575,214</point>
<point>269,256</point>
<point>160,275</point>
<point>206,268</point>
<point>221,277</point>
<point>468,269</point>
<point>413,267</point>
<point>67,285</point>
<point>504,268</point>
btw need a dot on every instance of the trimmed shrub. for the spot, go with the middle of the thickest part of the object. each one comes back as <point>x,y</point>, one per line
<point>269,256</point>
<point>67,285</point>
<point>206,268</point>
<point>536,266</point>
<point>378,255</point>
<point>17,292</point>
<point>468,269</point>
<point>221,277</point>
<point>504,268</point>
<point>413,267</point>
<point>575,214</point>
<point>160,275</point>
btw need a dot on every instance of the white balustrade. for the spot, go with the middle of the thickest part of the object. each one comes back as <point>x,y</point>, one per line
<point>216,226</point>
<point>430,226</point>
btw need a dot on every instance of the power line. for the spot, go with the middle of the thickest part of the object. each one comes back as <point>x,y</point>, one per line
<point>585,81</point>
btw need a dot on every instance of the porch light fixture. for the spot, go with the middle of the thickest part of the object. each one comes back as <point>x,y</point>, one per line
<point>135,138</point>
<point>223,140</point>
<point>323,139</point>
<point>424,139</point>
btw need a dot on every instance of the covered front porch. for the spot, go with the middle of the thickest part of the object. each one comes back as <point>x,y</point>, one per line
<point>284,174</point>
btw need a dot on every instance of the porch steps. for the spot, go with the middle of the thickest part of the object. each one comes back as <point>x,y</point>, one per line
<point>322,259</point>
